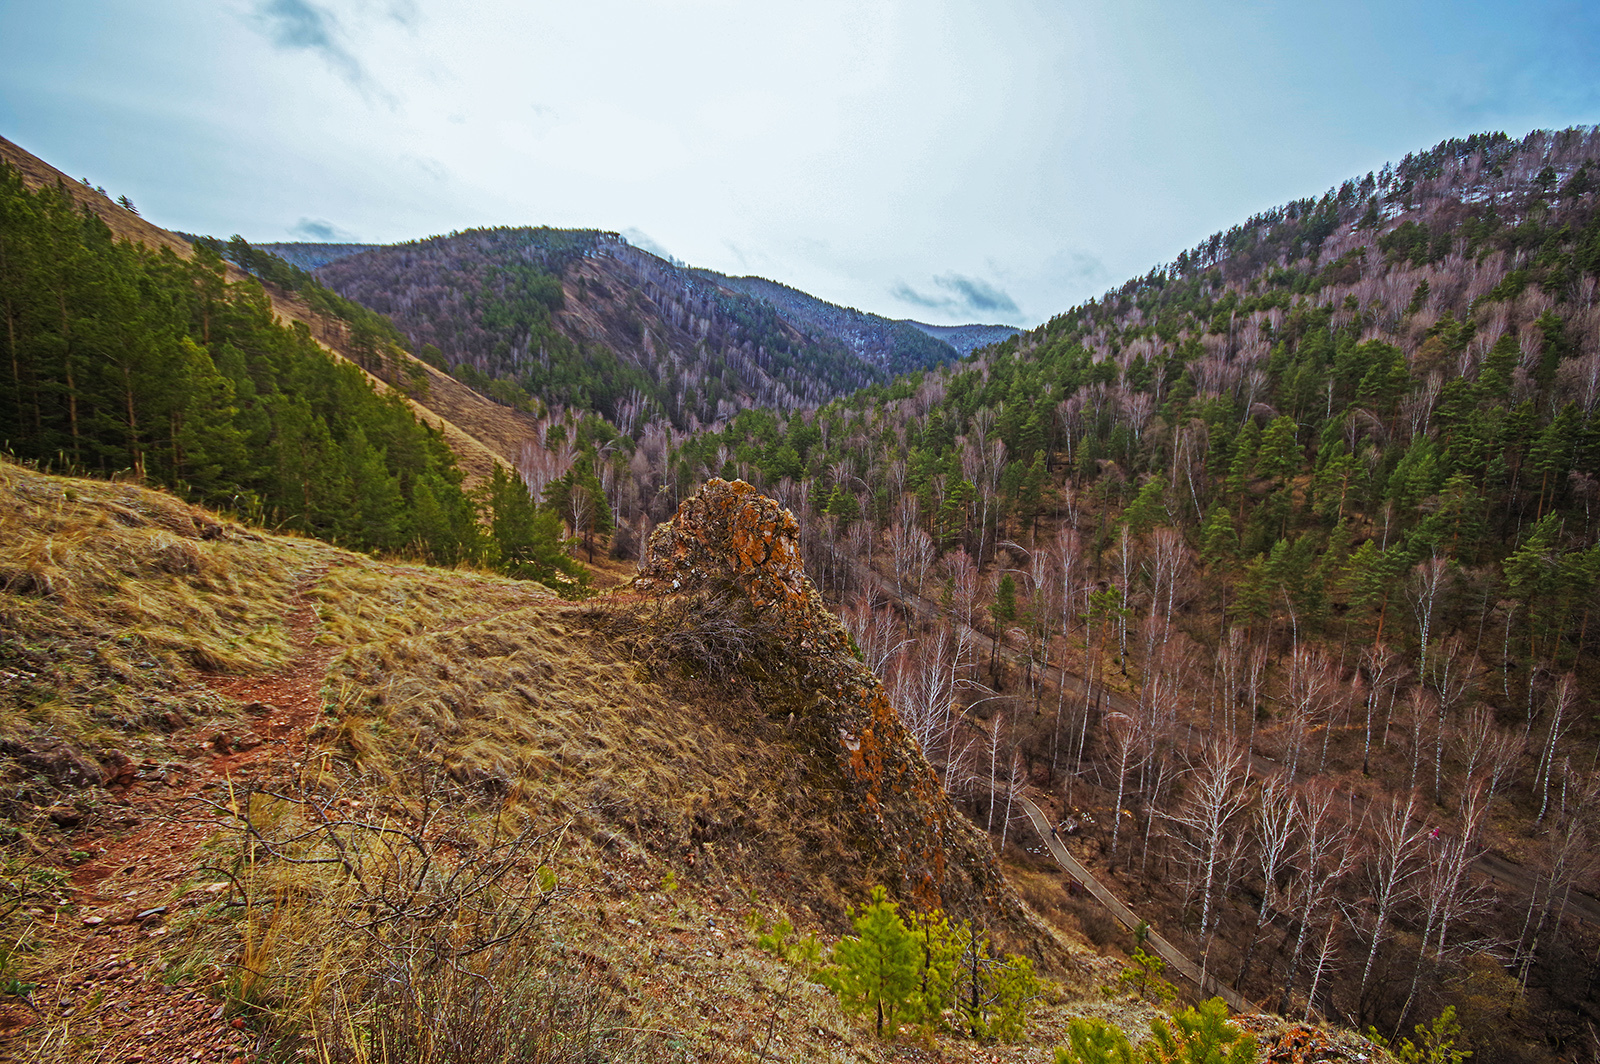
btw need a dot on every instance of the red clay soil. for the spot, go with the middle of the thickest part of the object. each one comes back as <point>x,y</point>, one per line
<point>144,848</point>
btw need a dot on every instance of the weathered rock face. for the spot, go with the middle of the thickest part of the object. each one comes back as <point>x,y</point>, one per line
<point>727,529</point>
<point>730,532</point>
<point>902,819</point>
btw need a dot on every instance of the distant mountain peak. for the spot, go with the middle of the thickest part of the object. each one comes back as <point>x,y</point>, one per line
<point>966,338</point>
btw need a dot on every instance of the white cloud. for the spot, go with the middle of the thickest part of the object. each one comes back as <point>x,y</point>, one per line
<point>1001,159</point>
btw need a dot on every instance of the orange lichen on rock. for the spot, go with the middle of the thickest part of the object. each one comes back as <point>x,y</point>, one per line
<point>1280,1041</point>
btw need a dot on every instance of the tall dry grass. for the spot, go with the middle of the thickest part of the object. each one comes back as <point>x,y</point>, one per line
<point>374,926</point>
<point>611,714</point>
<point>113,599</point>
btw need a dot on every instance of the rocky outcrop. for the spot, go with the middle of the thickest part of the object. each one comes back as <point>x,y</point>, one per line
<point>729,535</point>
<point>1280,1041</point>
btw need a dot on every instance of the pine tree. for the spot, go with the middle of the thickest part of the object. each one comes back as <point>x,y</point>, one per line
<point>876,969</point>
<point>1148,508</point>
<point>209,448</point>
<point>377,520</point>
<point>527,539</point>
<point>580,501</point>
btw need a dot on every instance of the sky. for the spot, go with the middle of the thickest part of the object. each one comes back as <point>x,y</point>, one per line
<point>993,161</point>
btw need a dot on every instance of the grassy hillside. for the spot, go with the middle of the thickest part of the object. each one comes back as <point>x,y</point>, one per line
<point>249,780</point>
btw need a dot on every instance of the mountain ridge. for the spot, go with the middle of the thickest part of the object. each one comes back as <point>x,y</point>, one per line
<point>789,300</point>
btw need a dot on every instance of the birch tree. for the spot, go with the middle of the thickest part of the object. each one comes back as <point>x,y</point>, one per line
<point>1326,855</point>
<point>1311,690</point>
<point>1214,802</point>
<point>1382,669</point>
<point>1275,823</point>
<point>1395,842</point>
<point>1128,745</point>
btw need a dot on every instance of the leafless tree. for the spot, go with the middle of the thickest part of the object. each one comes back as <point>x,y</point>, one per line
<point>908,513</point>
<point>1244,668</point>
<point>541,465</point>
<point>1425,592</point>
<point>1326,855</point>
<point>1490,750</point>
<point>1464,896</point>
<point>1452,677</point>
<point>1064,555</point>
<point>1395,843</point>
<point>922,687</point>
<point>858,545</point>
<point>1157,778</point>
<point>877,633</point>
<point>997,727</point>
<point>1126,562</point>
<point>1016,783</point>
<point>1128,743</point>
<point>1207,821</point>
<point>921,556</point>
<point>1189,460</point>
<point>1561,705</point>
<point>1569,858</point>
<point>1421,708</point>
<point>1324,962</point>
<point>964,587</point>
<point>982,461</point>
<point>1274,823</point>
<point>911,551</point>
<point>1311,690</point>
<point>1169,564</point>
<point>1442,886</point>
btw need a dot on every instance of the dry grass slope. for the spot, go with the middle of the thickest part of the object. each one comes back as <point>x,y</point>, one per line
<point>113,599</point>
<point>542,817</point>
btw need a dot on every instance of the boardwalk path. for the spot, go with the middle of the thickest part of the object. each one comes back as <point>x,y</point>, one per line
<point>1179,963</point>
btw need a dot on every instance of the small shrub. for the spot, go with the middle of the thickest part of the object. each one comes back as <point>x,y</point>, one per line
<point>877,968</point>
<point>1143,975</point>
<point>800,953</point>
<point>932,972</point>
<point>1435,1044</point>
<point>412,937</point>
<point>1199,1035</point>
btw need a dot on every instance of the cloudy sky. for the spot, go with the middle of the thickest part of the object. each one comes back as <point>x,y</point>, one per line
<point>994,160</point>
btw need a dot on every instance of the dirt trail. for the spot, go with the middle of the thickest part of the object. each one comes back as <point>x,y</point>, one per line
<point>109,975</point>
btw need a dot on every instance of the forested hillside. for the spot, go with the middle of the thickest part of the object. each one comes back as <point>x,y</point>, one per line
<point>122,360</point>
<point>1313,509</point>
<point>895,346</point>
<point>580,319</point>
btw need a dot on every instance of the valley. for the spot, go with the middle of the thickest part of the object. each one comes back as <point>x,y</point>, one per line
<point>1262,584</point>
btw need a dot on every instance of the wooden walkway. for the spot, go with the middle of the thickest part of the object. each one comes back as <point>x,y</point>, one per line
<point>1208,984</point>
